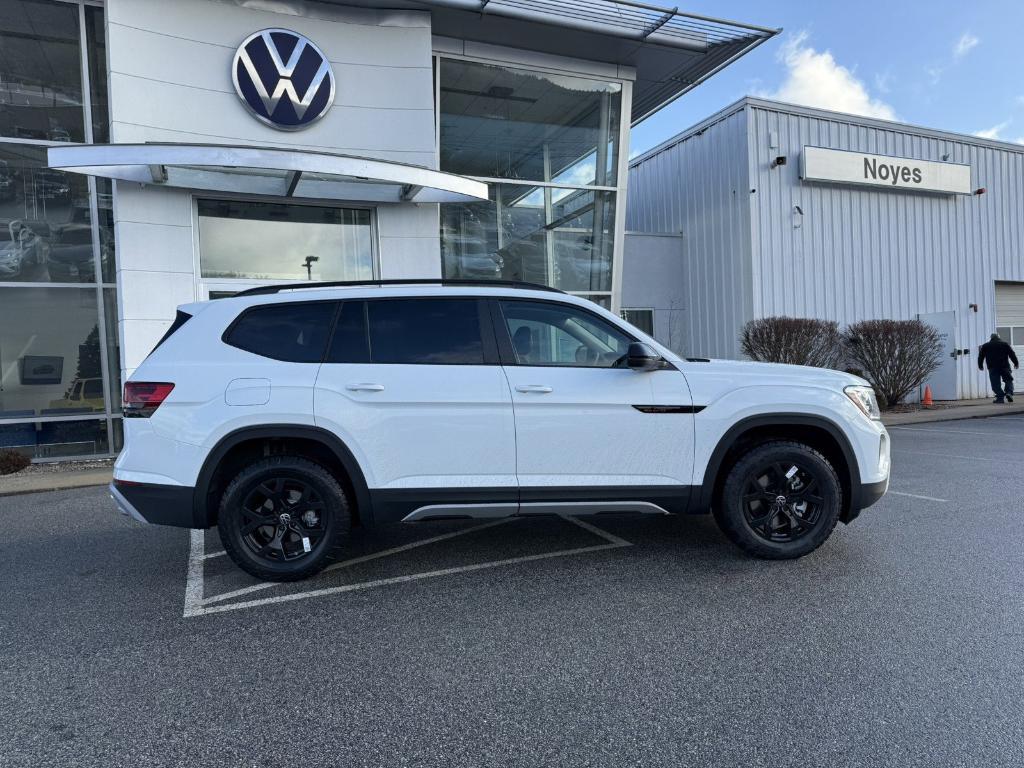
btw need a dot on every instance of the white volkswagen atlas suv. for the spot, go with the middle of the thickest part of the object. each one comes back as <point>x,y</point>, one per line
<point>287,415</point>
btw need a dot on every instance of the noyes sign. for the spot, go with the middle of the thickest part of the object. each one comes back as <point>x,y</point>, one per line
<point>843,167</point>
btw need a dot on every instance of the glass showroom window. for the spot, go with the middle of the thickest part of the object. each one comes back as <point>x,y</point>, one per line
<point>551,144</point>
<point>41,71</point>
<point>52,366</point>
<point>273,241</point>
<point>553,236</point>
<point>59,357</point>
<point>46,233</point>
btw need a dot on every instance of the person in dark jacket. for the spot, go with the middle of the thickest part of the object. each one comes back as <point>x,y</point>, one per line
<point>997,354</point>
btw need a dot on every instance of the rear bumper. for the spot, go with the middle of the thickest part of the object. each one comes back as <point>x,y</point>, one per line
<point>152,503</point>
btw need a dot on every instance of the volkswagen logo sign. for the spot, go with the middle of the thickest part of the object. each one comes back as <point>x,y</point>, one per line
<point>283,79</point>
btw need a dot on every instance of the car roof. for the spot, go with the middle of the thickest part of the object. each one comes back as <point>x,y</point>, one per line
<point>294,292</point>
<point>444,282</point>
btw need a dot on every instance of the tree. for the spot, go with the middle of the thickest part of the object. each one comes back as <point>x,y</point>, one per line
<point>896,355</point>
<point>89,361</point>
<point>794,340</point>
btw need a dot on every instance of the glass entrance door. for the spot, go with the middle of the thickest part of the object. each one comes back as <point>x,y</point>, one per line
<point>244,243</point>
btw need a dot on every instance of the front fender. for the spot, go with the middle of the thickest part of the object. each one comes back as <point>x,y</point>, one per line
<point>723,421</point>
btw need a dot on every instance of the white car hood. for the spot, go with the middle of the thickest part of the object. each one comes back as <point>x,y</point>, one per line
<point>715,379</point>
<point>779,373</point>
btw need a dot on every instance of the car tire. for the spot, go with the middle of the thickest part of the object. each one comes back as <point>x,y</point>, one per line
<point>283,518</point>
<point>780,500</point>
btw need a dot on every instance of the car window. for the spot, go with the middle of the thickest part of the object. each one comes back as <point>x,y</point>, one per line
<point>544,333</point>
<point>93,388</point>
<point>350,343</point>
<point>293,332</point>
<point>425,331</point>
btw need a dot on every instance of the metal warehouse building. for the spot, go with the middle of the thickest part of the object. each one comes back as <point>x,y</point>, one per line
<point>772,209</point>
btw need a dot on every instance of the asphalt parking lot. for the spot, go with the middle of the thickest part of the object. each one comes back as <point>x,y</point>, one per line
<point>610,641</point>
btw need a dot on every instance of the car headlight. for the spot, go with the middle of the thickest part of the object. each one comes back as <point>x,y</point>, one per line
<point>864,398</point>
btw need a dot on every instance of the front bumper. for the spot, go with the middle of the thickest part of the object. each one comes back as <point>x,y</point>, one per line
<point>864,496</point>
<point>153,503</point>
<point>872,492</point>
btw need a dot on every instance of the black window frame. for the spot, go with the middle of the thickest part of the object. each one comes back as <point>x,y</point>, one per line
<point>180,318</point>
<point>507,351</point>
<point>257,307</point>
<point>488,340</point>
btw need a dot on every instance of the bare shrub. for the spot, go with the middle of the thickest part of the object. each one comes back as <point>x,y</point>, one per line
<point>12,461</point>
<point>794,340</point>
<point>896,355</point>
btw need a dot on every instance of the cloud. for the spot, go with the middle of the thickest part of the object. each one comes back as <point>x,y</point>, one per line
<point>964,45</point>
<point>995,132</point>
<point>815,79</point>
<point>882,82</point>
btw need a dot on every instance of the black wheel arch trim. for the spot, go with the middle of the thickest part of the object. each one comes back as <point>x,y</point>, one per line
<point>204,518</point>
<point>703,503</point>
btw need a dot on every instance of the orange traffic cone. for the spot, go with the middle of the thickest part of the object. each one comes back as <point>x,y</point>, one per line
<point>927,399</point>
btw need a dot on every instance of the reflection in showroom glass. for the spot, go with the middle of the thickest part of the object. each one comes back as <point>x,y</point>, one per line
<point>558,237</point>
<point>273,241</point>
<point>56,439</point>
<point>45,229</point>
<point>511,123</point>
<point>40,71</point>
<point>96,48</point>
<point>50,360</point>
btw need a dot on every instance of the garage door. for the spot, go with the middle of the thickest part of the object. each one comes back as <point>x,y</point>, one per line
<point>1010,314</point>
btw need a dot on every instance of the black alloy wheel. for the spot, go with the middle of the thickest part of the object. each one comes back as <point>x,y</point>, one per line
<point>283,518</point>
<point>780,500</point>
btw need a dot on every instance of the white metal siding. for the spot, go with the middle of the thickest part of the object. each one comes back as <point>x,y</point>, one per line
<point>858,253</point>
<point>698,188</point>
<point>758,241</point>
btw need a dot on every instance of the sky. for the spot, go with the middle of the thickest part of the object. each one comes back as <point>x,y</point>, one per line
<point>956,66</point>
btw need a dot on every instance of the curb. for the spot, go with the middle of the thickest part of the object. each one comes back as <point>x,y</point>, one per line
<point>35,484</point>
<point>951,414</point>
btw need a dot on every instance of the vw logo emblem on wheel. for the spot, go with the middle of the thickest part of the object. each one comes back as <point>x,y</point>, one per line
<point>283,79</point>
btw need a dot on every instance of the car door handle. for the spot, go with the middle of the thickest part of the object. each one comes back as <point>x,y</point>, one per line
<point>538,388</point>
<point>365,387</point>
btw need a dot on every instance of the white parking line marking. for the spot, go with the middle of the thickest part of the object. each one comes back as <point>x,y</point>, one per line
<point>194,580</point>
<point>917,496</point>
<point>195,608</point>
<point>956,456</point>
<point>356,560</point>
<point>953,431</point>
<point>610,537</point>
<point>208,555</point>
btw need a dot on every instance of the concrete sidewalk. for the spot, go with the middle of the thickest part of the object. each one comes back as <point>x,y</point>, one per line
<point>954,411</point>
<point>37,482</point>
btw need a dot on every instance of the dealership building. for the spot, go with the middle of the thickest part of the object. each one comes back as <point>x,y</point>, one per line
<point>768,209</point>
<point>156,153</point>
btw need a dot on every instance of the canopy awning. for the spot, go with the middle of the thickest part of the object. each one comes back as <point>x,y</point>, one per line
<point>267,171</point>
<point>670,50</point>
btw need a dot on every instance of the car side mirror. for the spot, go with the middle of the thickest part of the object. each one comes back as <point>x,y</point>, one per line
<point>641,357</point>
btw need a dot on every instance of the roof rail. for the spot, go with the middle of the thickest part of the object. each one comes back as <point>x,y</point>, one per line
<point>271,289</point>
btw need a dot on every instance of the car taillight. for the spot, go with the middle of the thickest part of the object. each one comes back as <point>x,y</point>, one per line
<point>142,398</point>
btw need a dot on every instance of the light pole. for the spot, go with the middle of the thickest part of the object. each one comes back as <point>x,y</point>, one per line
<point>308,264</point>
